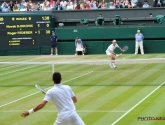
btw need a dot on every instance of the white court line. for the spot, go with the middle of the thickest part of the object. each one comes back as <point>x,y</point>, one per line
<point>88,111</point>
<point>16,70</point>
<point>137,104</point>
<point>39,91</point>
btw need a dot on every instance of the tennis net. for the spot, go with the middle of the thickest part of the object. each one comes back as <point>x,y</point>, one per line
<point>133,72</point>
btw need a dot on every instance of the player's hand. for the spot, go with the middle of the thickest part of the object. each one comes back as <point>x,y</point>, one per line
<point>24,114</point>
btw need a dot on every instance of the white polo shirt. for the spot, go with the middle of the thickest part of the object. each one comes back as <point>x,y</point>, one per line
<point>61,95</point>
<point>111,48</point>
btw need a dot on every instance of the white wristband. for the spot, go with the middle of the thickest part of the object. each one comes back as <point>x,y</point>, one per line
<point>31,111</point>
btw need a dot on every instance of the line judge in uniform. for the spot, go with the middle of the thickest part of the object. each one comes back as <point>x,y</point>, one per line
<point>139,42</point>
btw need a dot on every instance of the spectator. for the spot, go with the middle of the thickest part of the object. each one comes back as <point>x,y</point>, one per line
<point>70,6</point>
<point>158,3</point>
<point>77,7</point>
<point>11,5</point>
<point>38,7</point>
<point>24,3</point>
<point>87,2</point>
<point>59,7</point>
<point>81,5</point>
<point>79,46</point>
<point>139,42</point>
<point>93,6</point>
<point>74,4</point>
<point>23,8</point>
<point>16,2</point>
<point>70,2</point>
<point>134,3</point>
<point>52,4</point>
<point>34,7</point>
<point>30,3</point>
<point>118,5</point>
<point>5,7</point>
<point>46,2</point>
<point>112,6</point>
<point>28,7</point>
<point>103,5</point>
<point>63,3</point>
<point>98,4</point>
<point>145,5</point>
<point>15,8</point>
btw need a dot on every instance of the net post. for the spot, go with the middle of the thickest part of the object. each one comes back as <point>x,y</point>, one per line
<point>52,67</point>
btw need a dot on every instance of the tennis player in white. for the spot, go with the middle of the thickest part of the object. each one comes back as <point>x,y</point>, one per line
<point>110,52</point>
<point>63,99</point>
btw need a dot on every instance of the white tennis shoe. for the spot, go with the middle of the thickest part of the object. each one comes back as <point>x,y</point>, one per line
<point>111,65</point>
<point>114,65</point>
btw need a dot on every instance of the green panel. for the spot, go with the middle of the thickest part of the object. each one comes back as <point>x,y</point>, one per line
<point>109,33</point>
<point>94,47</point>
<point>25,51</point>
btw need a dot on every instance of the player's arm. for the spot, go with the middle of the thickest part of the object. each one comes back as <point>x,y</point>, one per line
<point>121,49</point>
<point>56,39</point>
<point>38,107</point>
<point>74,98</point>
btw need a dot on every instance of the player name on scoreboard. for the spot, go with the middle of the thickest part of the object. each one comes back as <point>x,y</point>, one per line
<point>25,30</point>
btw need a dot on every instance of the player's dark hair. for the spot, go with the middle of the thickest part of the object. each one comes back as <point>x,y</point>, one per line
<point>56,77</point>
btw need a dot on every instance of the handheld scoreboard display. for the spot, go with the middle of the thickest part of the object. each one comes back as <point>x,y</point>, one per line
<point>25,30</point>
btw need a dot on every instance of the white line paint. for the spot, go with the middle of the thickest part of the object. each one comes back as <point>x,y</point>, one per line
<point>87,111</point>
<point>137,104</point>
<point>16,70</point>
<point>39,91</point>
<point>84,62</point>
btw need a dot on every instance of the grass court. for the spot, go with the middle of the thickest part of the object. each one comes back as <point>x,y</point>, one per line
<point>121,96</point>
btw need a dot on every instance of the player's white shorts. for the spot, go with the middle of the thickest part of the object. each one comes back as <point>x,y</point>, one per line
<point>108,53</point>
<point>73,119</point>
<point>79,49</point>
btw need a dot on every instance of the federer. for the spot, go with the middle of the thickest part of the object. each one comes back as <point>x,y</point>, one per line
<point>110,52</point>
<point>63,99</point>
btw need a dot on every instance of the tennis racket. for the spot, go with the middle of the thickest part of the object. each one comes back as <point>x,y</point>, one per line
<point>125,48</point>
<point>40,88</point>
<point>119,54</point>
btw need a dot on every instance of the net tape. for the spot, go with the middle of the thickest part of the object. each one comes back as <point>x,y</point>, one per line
<point>151,60</point>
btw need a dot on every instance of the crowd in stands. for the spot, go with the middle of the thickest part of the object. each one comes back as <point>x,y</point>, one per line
<point>74,5</point>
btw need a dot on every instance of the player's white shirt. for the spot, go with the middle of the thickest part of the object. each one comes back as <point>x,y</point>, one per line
<point>111,48</point>
<point>61,95</point>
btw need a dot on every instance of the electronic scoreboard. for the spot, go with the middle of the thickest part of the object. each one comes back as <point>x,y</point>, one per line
<point>25,30</point>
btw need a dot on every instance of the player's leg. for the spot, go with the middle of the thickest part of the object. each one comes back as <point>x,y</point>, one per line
<point>83,52</point>
<point>136,47</point>
<point>52,49</point>
<point>75,120</point>
<point>141,47</point>
<point>56,50</point>
<point>113,60</point>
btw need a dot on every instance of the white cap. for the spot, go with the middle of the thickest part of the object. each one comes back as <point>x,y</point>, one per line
<point>138,31</point>
<point>114,41</point>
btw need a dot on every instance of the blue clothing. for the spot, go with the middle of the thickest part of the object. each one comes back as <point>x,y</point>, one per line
<point>53,39</point>
<point>79,41</point>
<point>146,6</point>
<point>139,37</point>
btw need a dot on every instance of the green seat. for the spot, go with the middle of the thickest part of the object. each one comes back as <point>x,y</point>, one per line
<point>163,3</point>
<point>100,21</point>
<point>117,20</point>
<point>84,22</point>
<point>160,19</point>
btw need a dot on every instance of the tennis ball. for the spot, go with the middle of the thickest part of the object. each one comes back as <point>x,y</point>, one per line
<point>123,58</point>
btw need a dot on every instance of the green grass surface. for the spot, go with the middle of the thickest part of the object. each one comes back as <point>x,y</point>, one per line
<point>104,95</point>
